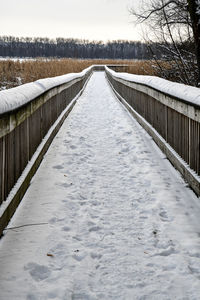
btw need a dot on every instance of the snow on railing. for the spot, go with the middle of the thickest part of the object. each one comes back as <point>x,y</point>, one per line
<point>16,97</point>
<point>30,116</point>
<point>183,92</point>
<point>172,109</point>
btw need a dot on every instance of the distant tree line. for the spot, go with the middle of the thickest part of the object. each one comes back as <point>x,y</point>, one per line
<point>72,48</point>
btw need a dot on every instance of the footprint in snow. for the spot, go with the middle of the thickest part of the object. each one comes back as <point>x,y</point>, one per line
<point>58,167</point>
<point>94,229</point>
<point>73,147</point>
<point>38,272</point>
<point>83,203</point>
<point>78,256</point>
<point>77,238</point>
<point>194,269</point>
<point>55,220</point>
<point>166,252</point>
<point>81,296</point>
<point>66,228</point>
<point>90,223</point>
<point>82,139</point>
<point>124,150</point>
<point>95,203</point>
<point>95,255</point>
<point>128,132</point>
<point>31,297</point>
<point>67,141</point>
<point>164,216</point>
<point>66,185</point>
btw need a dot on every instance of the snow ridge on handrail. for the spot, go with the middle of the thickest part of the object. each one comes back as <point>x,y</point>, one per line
<point>16,97</point>
<point>183,92</point>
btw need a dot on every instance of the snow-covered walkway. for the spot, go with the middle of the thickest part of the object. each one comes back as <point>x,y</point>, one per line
<point>113,219</point>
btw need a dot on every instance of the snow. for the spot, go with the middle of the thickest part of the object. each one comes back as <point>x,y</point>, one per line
<point>181,91</point>
<point>184,166</point>
<point>14,98</point>
<point>31,163</point>
<point>22,59</point>
<point>113,219</point>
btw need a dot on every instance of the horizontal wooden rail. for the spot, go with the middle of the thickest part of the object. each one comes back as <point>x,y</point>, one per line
<point>29,123</point>
<point>177,122</point>
<point>23,129</point>
<point>27,127</point>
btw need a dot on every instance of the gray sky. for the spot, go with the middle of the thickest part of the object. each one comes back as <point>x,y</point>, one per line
<point>89,19</point>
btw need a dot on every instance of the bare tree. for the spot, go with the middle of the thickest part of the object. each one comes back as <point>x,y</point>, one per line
<point>174,26</point>
<point>194,11</point>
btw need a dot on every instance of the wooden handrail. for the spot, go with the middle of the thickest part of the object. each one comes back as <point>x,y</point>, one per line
<point>176,120</point>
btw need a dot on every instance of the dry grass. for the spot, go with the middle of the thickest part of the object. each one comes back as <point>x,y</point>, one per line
<point>13,73</point>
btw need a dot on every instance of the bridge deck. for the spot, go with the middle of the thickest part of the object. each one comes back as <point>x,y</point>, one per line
<point>111,218</point>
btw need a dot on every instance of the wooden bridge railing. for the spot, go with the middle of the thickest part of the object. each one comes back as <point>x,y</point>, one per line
<point>27,113</point>
<point>177,120</point>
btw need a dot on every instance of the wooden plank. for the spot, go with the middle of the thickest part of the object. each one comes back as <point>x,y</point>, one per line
<point>180,132</point>
<point>1,170</point>
<point>8,212</point>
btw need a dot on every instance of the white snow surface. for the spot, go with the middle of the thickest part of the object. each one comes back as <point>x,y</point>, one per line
<point>181,91</point>
<point>15,97</point>
<point>113,219</point>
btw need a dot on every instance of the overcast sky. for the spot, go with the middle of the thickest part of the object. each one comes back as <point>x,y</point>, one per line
<point>87,19</point>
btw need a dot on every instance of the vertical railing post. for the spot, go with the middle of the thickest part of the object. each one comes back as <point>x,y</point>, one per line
<point>3,169</point>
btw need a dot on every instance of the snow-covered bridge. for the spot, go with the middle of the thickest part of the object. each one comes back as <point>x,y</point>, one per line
<point>106,215</point>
